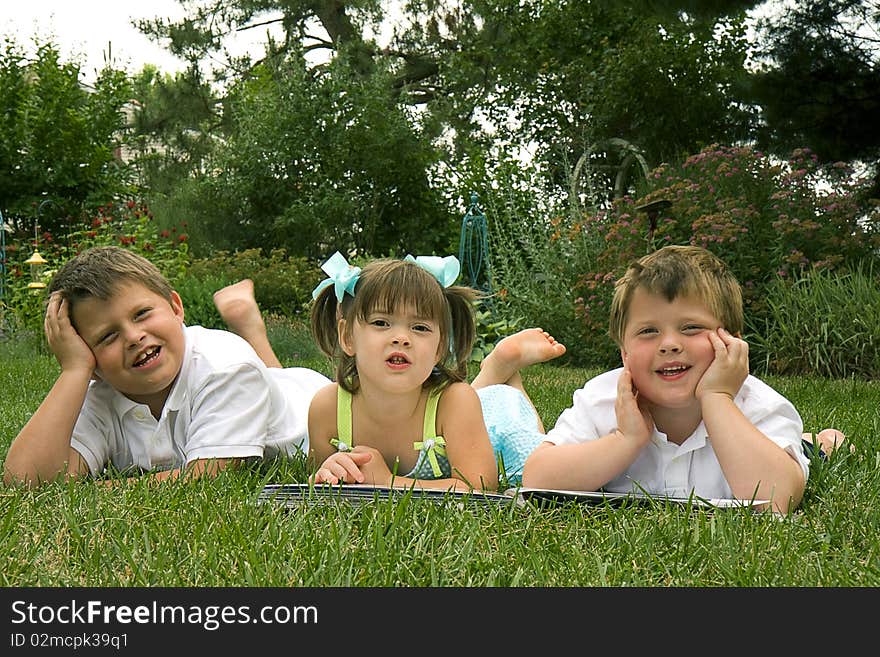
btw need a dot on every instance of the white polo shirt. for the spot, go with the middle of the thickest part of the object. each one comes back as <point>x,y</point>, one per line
<point>664,468</point>
<point>225,403</point>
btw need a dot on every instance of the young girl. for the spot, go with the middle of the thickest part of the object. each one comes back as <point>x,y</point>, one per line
<point>401,411</point>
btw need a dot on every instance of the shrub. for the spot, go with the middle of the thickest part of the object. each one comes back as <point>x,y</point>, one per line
<point>282,285</point>
<point>824,324</point>
<point>537,250</point>
<point>128,224</point>
<point>197,295</point>
<point>766,220</point>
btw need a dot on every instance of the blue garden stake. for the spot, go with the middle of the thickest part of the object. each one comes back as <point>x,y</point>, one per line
<point>474,250</point>
<point>2,257</point>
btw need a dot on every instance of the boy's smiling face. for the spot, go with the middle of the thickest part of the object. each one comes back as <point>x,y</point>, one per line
<point>667,348</point>
<point>137,339</point>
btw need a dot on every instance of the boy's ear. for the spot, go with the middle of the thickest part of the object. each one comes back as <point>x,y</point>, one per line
<point>177,304</point>
<point>344,342</point>
<point>622,356</point>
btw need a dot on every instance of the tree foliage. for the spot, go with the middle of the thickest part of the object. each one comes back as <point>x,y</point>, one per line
<point>348,147</point>
<point>58,137</point>
<point>819,79</point>
<point>319,163</point>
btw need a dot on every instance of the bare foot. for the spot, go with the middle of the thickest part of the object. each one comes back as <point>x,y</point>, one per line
<point>513,353</point>
<point>828,440</point>
<point>238,307</point>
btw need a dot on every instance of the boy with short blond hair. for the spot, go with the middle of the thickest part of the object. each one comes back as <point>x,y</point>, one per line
<point>683,415</point>
<point>141,391</point>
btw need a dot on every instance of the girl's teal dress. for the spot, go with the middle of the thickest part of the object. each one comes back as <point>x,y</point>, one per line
<point>509,417</point>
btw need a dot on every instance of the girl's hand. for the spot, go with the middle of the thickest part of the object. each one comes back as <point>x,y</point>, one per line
<point>342,467</point>
<point>375,470</point>
<point>634,421</point>
<point>728,370</point>
<point>69,348</point>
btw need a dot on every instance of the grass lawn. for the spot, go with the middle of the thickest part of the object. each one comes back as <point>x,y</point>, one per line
<point>211,532</point>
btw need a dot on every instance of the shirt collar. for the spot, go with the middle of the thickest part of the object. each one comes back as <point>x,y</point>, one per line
<point>692,443</point>
<point>177,396</point>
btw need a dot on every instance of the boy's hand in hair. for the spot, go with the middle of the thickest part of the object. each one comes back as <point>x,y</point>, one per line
<point>70,350</point>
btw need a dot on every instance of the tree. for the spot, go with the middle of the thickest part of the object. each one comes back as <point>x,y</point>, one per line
<point>58,138</point>
<point>819,78</point>
<point>174,126</point>
<point>569,76</point>
<point>324,157</point>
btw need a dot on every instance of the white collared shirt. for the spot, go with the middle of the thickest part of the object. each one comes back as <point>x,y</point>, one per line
<point>225,403</point>
<point>663,467</point>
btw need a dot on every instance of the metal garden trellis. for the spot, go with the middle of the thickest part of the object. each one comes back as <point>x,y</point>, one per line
<point>2,259</point>
<point>473,250</point>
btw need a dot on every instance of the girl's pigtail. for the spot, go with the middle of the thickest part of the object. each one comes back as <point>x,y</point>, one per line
<point>323,322</point>
<point>463,330</point>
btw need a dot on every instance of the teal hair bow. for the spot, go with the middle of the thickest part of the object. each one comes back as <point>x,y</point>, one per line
<point>343,277</point>
<point>444,269</point>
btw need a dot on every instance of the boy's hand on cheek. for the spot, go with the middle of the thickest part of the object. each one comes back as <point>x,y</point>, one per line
<point>729,369</point>
<point>69,348</point>
<point>634,421</point>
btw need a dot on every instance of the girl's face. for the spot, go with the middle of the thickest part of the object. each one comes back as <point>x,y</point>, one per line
<point>667,348</point>
<point>394,351</point>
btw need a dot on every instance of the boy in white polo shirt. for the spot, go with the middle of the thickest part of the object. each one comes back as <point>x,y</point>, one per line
<point>139,390</point>
<point>682,415</point>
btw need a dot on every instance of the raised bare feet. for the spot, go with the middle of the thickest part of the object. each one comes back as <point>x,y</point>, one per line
<point>513,353</point>
<point>828,440</point>
<point>238,307</point>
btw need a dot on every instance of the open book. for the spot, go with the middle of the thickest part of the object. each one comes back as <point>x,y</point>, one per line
<point>293,495</point>
<point>551,495</point>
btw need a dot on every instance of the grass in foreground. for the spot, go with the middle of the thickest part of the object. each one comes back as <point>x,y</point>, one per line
<point>211,532</point>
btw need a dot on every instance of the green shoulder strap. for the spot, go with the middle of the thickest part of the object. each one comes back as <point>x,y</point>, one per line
<point>430,428</point>
<point>343,420</point>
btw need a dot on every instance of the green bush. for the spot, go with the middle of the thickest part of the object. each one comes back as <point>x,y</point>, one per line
<point>282,285</point>
<point>824,324</point>
<point>537,251</point>
<point>197,295</point>
<point>765,220</point>
<point>128,224</point>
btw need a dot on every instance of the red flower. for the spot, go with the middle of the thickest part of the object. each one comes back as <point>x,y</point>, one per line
<point>182,238</point>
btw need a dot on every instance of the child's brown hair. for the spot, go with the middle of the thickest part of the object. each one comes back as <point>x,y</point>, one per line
<point>387,284</point>
<point>677,271</point>
<point>97,273</point>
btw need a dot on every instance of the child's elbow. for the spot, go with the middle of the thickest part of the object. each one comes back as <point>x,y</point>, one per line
<point>533,473</point>
<point>15,476</point>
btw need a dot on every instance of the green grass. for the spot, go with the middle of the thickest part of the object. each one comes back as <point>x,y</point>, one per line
<point>211,532</point>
